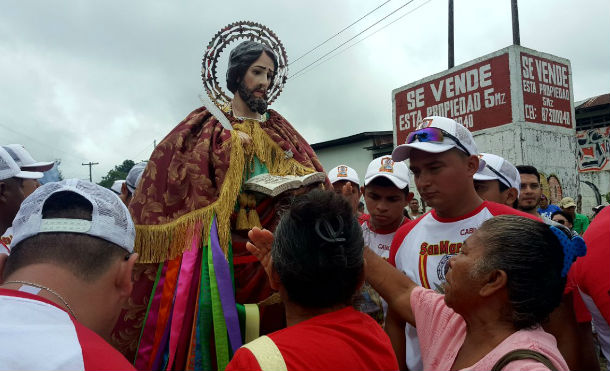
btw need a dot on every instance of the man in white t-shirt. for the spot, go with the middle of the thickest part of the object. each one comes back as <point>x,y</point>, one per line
<point>15,185</point>
<point>443,158</point>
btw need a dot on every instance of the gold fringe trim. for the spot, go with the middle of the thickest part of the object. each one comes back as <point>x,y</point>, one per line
<point>269,152</point>
<point>162,242</point>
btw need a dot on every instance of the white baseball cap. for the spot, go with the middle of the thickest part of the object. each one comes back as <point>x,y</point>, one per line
<point>10,169</point>
<point>385,167</point>
<point>343,172</point>
<point>110,219</point>
<point>117,186</point>
<point>454,136</point>
<point>134,176</point>
<point>498,168</point>
<point>25,161</point>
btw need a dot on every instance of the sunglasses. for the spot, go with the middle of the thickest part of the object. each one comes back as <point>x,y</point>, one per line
<point>433,135</point>
<point>505,181</point>
<point>560,221</point>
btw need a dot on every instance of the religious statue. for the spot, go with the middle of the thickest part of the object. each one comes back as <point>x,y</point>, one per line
<point>199,295</point>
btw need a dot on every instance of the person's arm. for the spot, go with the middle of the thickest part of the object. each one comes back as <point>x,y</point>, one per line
<point>391,284</point>
<point>395,328</point>
<point>574,340</point>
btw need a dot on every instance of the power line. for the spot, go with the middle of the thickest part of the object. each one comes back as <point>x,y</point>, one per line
<point>337,34</point>
<point>143,149</point>
<point>361,40</point>
<point>351,38</point>
<point>41,142</point>
<point>90,164</point>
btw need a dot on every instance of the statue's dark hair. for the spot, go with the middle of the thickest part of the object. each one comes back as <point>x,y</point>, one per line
<point>317,250</point>
<point>532,257</point>
<point>242,57</point>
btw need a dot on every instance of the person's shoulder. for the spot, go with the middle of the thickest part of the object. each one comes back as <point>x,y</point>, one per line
<point>537,340</point>
<point>243,360</point>
<point>275,118</point>
<point>97,353</point>
<point>401,234</point>
<point>407,227</point>
<point>500,209</point>
<point>363,218</point>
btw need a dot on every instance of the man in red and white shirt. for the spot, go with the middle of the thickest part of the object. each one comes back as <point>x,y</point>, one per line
<point>591,273</point>
<point>443,158</point>
<point>67,277</point>
<point>386,194</point>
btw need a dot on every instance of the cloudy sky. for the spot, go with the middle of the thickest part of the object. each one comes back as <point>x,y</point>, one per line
<point>99,81</point>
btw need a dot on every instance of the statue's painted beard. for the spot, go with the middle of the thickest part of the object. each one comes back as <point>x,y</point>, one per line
<point>255,104</point>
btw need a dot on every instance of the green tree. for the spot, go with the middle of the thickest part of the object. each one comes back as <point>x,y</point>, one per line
<point>119,172</point>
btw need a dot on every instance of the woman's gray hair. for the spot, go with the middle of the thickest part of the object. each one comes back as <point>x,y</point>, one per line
<point>532,257</point>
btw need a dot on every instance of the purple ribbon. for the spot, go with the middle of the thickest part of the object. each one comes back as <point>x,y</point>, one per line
<point>225,289</point>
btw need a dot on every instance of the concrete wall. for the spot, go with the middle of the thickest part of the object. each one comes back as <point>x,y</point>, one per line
<point>601,179</point>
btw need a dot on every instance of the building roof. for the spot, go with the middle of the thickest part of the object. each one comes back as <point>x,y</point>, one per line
<point>599,100</point>
<point>593,113</point>
<point>351,139</point>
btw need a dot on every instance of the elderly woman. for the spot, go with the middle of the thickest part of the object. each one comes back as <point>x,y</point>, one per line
<point>317,265</point>
<point>507,278</point>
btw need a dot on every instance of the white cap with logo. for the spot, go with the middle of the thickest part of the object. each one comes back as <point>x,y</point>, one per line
<point>25,161</point>
<point>110,219</point>
<point>343,172</point>
<point>449,134</point>
<point>385,167</point>
<point>498,168</point>
<point>10,169</point>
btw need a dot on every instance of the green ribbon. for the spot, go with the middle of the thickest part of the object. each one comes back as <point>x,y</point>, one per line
<point>221,339</point>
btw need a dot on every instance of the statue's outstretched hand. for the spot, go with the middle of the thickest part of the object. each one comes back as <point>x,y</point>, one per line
<point>260,246</point>
<point>246,140</point>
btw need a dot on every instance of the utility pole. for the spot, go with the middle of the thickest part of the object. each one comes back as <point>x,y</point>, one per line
<point>450,36</point>
<point>515,15</point>
<point>90,164</point>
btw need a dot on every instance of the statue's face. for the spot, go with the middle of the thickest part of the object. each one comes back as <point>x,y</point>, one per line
<point>255,83</point>
<point>259,76</point>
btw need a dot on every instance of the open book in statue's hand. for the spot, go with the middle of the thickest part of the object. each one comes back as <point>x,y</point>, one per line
<point>273,185</point>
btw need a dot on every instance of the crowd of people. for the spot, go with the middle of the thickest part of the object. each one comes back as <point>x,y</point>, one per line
<point>178,266</point>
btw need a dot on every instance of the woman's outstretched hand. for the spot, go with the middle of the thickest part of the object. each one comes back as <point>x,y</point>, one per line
<point>259,245</point>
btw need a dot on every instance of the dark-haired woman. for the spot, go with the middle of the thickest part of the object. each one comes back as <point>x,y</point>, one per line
<point>316,264</point>
<point>563,218</point>
<point>507,278</point>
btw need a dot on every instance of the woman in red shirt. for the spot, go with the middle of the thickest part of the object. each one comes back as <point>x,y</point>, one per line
<point>317,265</point>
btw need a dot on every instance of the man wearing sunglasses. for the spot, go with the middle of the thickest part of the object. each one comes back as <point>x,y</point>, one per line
<point>443,158</point>
<point>498,181</point>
